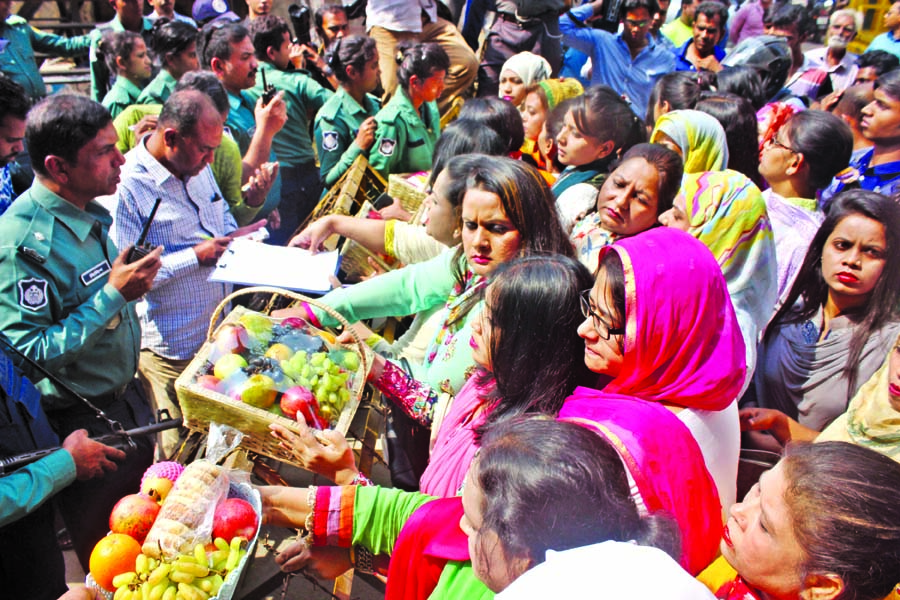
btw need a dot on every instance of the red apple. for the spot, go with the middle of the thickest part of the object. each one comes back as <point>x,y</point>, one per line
<point>294,323</point>
<point>300,402</point>
<point>210,382</point>
<point>232,339</point>
<point>235,517</point>
<point>134,515</point>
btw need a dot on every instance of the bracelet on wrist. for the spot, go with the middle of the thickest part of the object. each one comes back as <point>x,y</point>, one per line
<point>310,517</point>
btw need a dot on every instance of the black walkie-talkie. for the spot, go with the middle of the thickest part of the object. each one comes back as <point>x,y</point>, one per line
<point>141,248</point>
<point>269,91</point>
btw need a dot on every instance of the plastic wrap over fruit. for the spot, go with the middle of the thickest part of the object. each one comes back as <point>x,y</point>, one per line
<point>285,366</point>
<point>186,516</point>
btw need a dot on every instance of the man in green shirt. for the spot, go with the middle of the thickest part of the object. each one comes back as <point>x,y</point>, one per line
<point>227,51</point>
<point>300,184</point>
<point>66,297</point>
<point>18,42</point>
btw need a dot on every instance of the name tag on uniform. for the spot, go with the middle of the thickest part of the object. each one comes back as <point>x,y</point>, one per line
<point>95,272</point>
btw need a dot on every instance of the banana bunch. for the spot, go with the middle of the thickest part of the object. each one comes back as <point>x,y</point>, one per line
<point>196,576</point>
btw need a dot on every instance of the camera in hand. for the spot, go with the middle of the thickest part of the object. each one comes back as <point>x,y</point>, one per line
<point>300,19</point>
<point>269,91</point>
<point>141,248</point>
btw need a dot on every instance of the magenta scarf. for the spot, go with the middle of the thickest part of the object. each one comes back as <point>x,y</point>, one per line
<point>682,341</point>
<point>665,462</point>
<point>429,538</point>
<point>455,445</point>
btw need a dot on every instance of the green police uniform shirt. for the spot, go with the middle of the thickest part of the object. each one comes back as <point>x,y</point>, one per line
<point>18,43</point>
<point>120,96</point>
<point>242,124</point>
<point>56,303</point>
<point>304,97</point>
<point>336,127</point>
<point>95,56</point>
<point>158,90</point>
<point>404,139</point>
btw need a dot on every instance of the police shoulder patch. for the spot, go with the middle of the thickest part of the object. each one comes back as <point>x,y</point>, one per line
<point>386,147</point>
<point>329,140</point>
<point>32,293</point>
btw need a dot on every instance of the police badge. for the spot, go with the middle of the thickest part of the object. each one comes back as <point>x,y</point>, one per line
<point>33,293</point>
<point>386,147</point>
<point>329,140</point>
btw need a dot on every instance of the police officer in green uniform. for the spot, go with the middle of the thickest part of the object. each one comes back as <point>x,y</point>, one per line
<point>410,124</point>
<point>19,40</point>
<point>304,97</point>
<point>345,126</point>
<point>227,51</point>
<point>126,55</point>
<point>129,17</point>
<point>66,297</point>
<point>173,45</point>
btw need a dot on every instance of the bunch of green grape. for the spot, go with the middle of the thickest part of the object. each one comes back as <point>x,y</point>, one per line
<point>325,374</point>
<point>196,576</point>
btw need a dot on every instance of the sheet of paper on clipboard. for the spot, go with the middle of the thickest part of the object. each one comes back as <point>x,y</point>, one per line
<point>247,262</point>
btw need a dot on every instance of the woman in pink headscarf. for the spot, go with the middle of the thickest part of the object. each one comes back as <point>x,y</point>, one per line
<point>659,325</point>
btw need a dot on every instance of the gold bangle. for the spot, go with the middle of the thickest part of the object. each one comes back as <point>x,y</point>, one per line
<point>311,504</point>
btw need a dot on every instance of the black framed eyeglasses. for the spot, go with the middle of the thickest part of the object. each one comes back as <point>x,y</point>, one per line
<point>773,142</point>
<point>602,327</point>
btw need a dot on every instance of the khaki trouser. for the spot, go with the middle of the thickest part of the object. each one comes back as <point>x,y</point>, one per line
<point>158,375</point>
<point>463,62</point>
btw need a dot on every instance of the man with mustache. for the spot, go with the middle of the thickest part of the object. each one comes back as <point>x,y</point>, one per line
<point>228,52</point>
<point>13,109</point>
<point>67,301</point>
<point>829,68</point>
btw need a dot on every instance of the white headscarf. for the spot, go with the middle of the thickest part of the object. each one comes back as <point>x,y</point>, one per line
<point>530,67</point>
<point>620,570</point>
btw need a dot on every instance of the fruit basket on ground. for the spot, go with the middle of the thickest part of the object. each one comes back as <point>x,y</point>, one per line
<point>188,535</point>
<point>255,370</point>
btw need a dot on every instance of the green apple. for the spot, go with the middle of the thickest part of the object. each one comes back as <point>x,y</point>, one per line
<point>259,391</point>
<point>228,364</point>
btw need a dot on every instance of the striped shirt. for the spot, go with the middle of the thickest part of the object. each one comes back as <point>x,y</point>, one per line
<point>175,313</point>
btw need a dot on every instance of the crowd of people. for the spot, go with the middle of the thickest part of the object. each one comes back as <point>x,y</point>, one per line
<point>649,241</point>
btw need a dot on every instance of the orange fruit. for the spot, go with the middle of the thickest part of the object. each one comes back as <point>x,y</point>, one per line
<point>113,555</point>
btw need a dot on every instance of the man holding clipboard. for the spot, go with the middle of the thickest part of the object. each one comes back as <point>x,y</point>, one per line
<point>194,225</point>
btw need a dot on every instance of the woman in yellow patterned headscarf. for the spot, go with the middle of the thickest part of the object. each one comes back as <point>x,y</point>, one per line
<point>726,211</point>
<point>697,136</point>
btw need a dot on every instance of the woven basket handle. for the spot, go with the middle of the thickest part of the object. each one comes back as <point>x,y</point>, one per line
<point>217,314</point>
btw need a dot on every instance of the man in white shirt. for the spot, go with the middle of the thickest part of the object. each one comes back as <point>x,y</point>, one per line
<point>833,58</point>
<point>194,226</point>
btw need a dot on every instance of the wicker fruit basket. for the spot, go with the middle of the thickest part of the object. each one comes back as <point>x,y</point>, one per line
<point>359,184</point>
<point>355,257</point>
<point>244,491</point>
<point>201,405</point>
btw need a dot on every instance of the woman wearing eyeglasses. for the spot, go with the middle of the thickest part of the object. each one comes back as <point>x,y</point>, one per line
<point>798,160</point>
<point>660,328</point>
